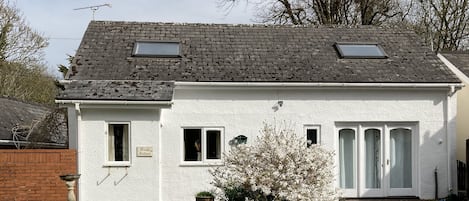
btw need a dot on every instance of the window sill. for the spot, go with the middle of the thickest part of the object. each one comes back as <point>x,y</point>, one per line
<point>200,164</point>
<point>112,164</point>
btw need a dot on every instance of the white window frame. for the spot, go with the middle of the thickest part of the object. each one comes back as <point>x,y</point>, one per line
<point>107,162</point>
<point>347,192</point>
<point>136,53</point>
<point>344,55</point>
<point>385,128</point>
<point>204,161</point>
<point>318,132</point>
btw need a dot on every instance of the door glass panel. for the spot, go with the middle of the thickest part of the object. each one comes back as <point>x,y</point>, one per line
<point>373,158</point>
<point>401,158</point>
<point>347,157</point>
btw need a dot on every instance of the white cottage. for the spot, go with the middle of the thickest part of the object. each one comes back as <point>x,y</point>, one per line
<point>152,106</point>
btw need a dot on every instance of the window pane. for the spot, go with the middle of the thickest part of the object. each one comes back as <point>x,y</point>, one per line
<point>347,158</point>
<point>373,158</point>
<point>192,145</point>
<point>360,50</point>
<point>156,49</point>
<point>118,142</point>
<point>213,144</point>
<point>311,136</point>
<point>401,158</point>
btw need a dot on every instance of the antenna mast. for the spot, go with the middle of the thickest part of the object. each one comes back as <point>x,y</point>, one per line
<point>94,8</point>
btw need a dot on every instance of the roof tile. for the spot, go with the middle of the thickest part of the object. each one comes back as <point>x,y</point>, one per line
<point>117,90</point>
<point>253,53</point>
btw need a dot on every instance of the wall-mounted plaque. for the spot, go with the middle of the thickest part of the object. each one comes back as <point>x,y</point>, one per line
<point>144,151</point>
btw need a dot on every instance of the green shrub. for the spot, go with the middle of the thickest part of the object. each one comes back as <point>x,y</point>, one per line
<point>204,194</point>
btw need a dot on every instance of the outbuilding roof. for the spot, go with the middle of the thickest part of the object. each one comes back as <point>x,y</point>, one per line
<point>15,112</point>
<point>36,125</point>
<point>249,53</point>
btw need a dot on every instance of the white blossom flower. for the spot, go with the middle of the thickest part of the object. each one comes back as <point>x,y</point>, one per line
<point>277,166</point>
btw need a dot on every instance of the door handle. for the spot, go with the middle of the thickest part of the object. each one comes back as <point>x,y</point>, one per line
<point>387,162</point>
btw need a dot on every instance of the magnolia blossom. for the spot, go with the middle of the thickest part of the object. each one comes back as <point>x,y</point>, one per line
<point>277,166</point>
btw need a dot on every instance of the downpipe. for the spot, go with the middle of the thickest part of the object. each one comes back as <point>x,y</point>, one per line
<point>436,183</point>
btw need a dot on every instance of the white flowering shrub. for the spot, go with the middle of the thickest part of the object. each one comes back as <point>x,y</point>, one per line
<point>277,166</point>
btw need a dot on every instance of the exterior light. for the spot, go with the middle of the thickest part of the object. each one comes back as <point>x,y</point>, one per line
<point>240,139</point>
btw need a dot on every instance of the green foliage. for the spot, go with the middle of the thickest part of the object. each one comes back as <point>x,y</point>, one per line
<point>453,197</point>
<point>63,68</point>
<point>204,194</point>
<point>22,73</point>
<point>4,30</point>
<point>240,194</point>
<point>29,84</point>
<point>237,194</point>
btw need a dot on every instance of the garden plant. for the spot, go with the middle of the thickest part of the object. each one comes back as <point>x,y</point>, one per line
<point>277,166</point>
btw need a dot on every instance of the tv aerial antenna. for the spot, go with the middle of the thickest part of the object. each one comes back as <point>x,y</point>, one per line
<point>94,8</point>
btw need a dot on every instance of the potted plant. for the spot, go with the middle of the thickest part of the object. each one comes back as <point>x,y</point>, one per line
<point>204,196</point>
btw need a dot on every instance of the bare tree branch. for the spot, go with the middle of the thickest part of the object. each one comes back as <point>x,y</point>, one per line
<point>444,22</point>
<point>18,42</point>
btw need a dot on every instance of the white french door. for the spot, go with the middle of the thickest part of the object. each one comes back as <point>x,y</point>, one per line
<point>377,160</point>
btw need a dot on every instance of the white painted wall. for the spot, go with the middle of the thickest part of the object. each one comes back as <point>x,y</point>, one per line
<point>98,182</point>
<point>462,119</point>
<point>243,111</point>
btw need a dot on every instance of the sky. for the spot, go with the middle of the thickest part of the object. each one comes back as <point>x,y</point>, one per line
<point>64,27</point>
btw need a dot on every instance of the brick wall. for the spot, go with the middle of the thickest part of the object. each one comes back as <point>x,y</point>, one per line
<point>33,174</point>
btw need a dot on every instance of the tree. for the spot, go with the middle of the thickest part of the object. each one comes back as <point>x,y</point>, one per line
<point>26,83</point>
<point>18,42</point>
<point>63,68</point>
<point>442,23</point>
<point>377,12</point>
<point>349,12</point>
<point>278,166</point>
<point>22,71</point>
<point>51,129</point>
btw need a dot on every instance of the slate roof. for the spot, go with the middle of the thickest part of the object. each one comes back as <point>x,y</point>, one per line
<point>16,112</point>
<point>104,68</point>
<point>254,53</point>
<point>144,90</point>
<point>459,59</point>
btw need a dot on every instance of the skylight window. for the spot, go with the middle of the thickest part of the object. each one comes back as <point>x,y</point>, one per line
<point>360,50</point>
<point>156,49</point>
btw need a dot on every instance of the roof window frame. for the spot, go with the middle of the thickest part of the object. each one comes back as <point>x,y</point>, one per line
<point>134,50</point>
<point>342,56</point>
